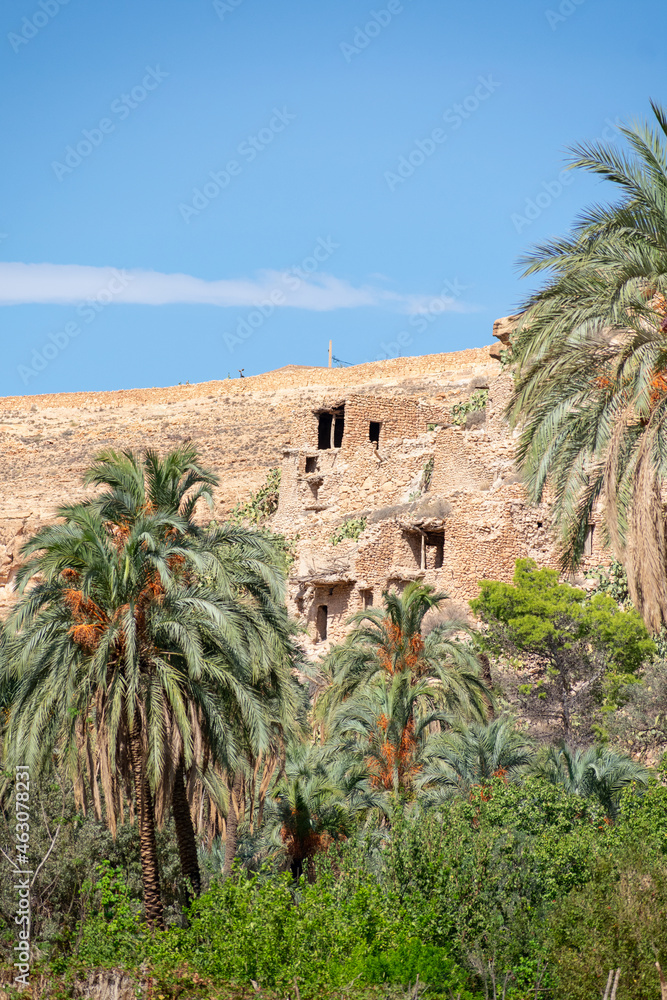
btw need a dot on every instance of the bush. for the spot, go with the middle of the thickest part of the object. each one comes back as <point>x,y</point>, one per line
<point>262,504</point>
<point>352,528</point>
<point>617,921</point>
<point>477,401</point>
<point>322,936</point>
<point>112,933</point>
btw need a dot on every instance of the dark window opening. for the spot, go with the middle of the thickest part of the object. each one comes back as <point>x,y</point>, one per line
<point>322,620</point>
<point>330,428</point>
<point>539,524</point>
<point>339,427</point>
<point>311,464</point>
<point>435,540</point>
<point>368,598</point>
<point>588,543</point>
<point>324,430</point>
<point>374,432</point>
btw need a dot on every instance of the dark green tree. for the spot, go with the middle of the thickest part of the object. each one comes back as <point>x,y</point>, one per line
<point>585,647</point>
<point>599,772</point>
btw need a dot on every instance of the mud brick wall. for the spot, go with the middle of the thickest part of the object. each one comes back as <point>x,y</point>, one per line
<point>399,418</point>
<point>489,522</point>
<point>244,427</point>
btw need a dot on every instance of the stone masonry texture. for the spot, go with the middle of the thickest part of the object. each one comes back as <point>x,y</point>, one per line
<point>438,502</point>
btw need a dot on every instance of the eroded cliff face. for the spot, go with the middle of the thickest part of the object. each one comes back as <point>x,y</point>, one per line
<point>377,442</point>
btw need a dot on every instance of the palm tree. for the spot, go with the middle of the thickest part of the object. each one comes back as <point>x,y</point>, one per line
<point>131,651</point>
<point>590,359</point>
<point>316,802</point>
<point>250,782</point>
<point>246,567</point>
<point>390,640</point>
<point>598,772</point>
<point>174,485</point>
<point>383,727</point>
<point>475,753</point>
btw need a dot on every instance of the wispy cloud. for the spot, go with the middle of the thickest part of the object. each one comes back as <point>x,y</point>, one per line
<point>72,283</point>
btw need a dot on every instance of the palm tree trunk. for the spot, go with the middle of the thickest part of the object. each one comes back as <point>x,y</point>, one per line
<point>485,664</point>
<point>232,823</point>
<point>185,833</point>
<point>150,873</point>
<point>269,768</point>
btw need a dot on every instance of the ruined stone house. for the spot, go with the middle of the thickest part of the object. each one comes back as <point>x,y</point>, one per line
<point>427,500</point>
<point>375,444</point>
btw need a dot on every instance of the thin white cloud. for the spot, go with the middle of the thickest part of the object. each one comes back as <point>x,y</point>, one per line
<point>72,283</point>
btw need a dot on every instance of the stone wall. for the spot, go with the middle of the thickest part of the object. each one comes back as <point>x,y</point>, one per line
<point>441,505</point>
<point>444,506</point>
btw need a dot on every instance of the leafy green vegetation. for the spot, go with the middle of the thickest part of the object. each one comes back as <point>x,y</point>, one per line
<point>521,882</point>
<point>477,401</point>
<point>350,528</point>
<point>588,649</point>
<point>374,825</point>
<point>590,393</point>
<point>261,505</point>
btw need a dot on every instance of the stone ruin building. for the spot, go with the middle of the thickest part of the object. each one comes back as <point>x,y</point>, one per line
<point>380,458</point>
<point>428,498</point>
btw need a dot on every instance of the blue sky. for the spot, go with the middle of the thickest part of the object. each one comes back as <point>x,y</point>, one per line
<point>192,187</point>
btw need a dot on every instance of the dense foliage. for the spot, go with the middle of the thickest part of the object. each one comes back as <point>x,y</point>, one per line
<point>217,816</point>
<point>590,395</point>
<point>586,648</point>
<point>521,884</point>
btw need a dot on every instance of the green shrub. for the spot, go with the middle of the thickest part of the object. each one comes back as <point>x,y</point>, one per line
<point>351,528</point>
<point>617,921</point>
<point>322,936</point>
<point>262,504</point>
<point>111,933</point>
<point>477,401</point>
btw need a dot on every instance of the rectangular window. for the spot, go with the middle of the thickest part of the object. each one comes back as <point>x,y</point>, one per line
<point>330,428</point>
<point>374,432</point>
<point>339,427</point>
<point>322,622</point>
<point>435,541</point>
<point>324,430</point>
<point>311,464</point>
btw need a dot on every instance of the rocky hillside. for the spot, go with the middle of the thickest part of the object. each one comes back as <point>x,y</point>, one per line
<point>239,425</point>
